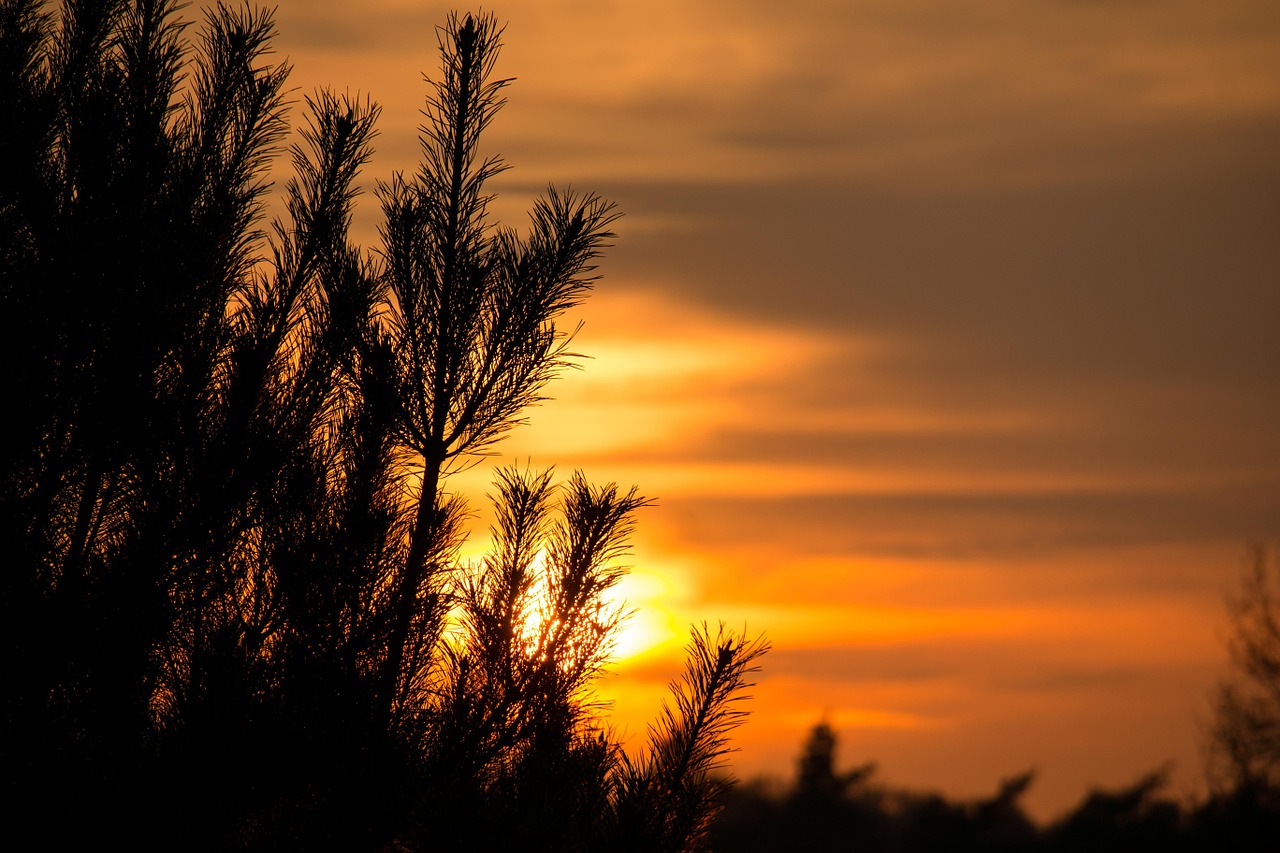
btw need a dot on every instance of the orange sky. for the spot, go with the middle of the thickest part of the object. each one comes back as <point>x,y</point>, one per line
<point>944,334</point>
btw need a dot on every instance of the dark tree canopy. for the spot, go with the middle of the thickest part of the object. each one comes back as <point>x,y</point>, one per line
<point>231,603</point>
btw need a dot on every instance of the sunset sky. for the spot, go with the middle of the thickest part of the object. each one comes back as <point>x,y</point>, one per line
<point>945,335</point>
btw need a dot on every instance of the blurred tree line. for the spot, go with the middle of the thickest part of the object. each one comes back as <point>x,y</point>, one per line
<point>851,811</point>
<point>826,809</point>
<point>231,606</point>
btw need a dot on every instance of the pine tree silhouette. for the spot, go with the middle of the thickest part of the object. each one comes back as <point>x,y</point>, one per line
<point>232,603</point>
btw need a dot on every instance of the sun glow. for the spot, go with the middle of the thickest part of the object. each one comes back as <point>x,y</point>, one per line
<point>644,625</point>
<point>537,608</point>
<point>647,625</point>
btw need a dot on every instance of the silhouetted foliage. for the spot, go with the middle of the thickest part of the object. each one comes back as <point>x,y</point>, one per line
<point>1245,734</point>
<point>831,810</point>
<point>827,810</point>
<point>816,776</point>
<point>1123,820</point>
<point>666,799</point>
<point>231,600</point>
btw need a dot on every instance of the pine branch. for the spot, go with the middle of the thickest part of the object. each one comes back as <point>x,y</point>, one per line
<point>668,799</point>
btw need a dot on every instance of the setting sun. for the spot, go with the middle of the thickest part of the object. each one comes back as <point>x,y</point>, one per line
<point>649,625</point>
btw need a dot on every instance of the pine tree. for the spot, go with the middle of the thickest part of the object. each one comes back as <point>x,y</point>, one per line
<point>231,598</point>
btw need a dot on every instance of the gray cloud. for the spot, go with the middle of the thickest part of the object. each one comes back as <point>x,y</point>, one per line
<point>1126,280</point>
<point>975,526</point>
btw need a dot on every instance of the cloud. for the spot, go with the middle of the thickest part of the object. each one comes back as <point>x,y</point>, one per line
<point>969,524</point>
<point>1070,277</point>
<point>895,93</point>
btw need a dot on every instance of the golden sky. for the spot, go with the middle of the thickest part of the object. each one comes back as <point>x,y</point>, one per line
<point>944,334</point>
